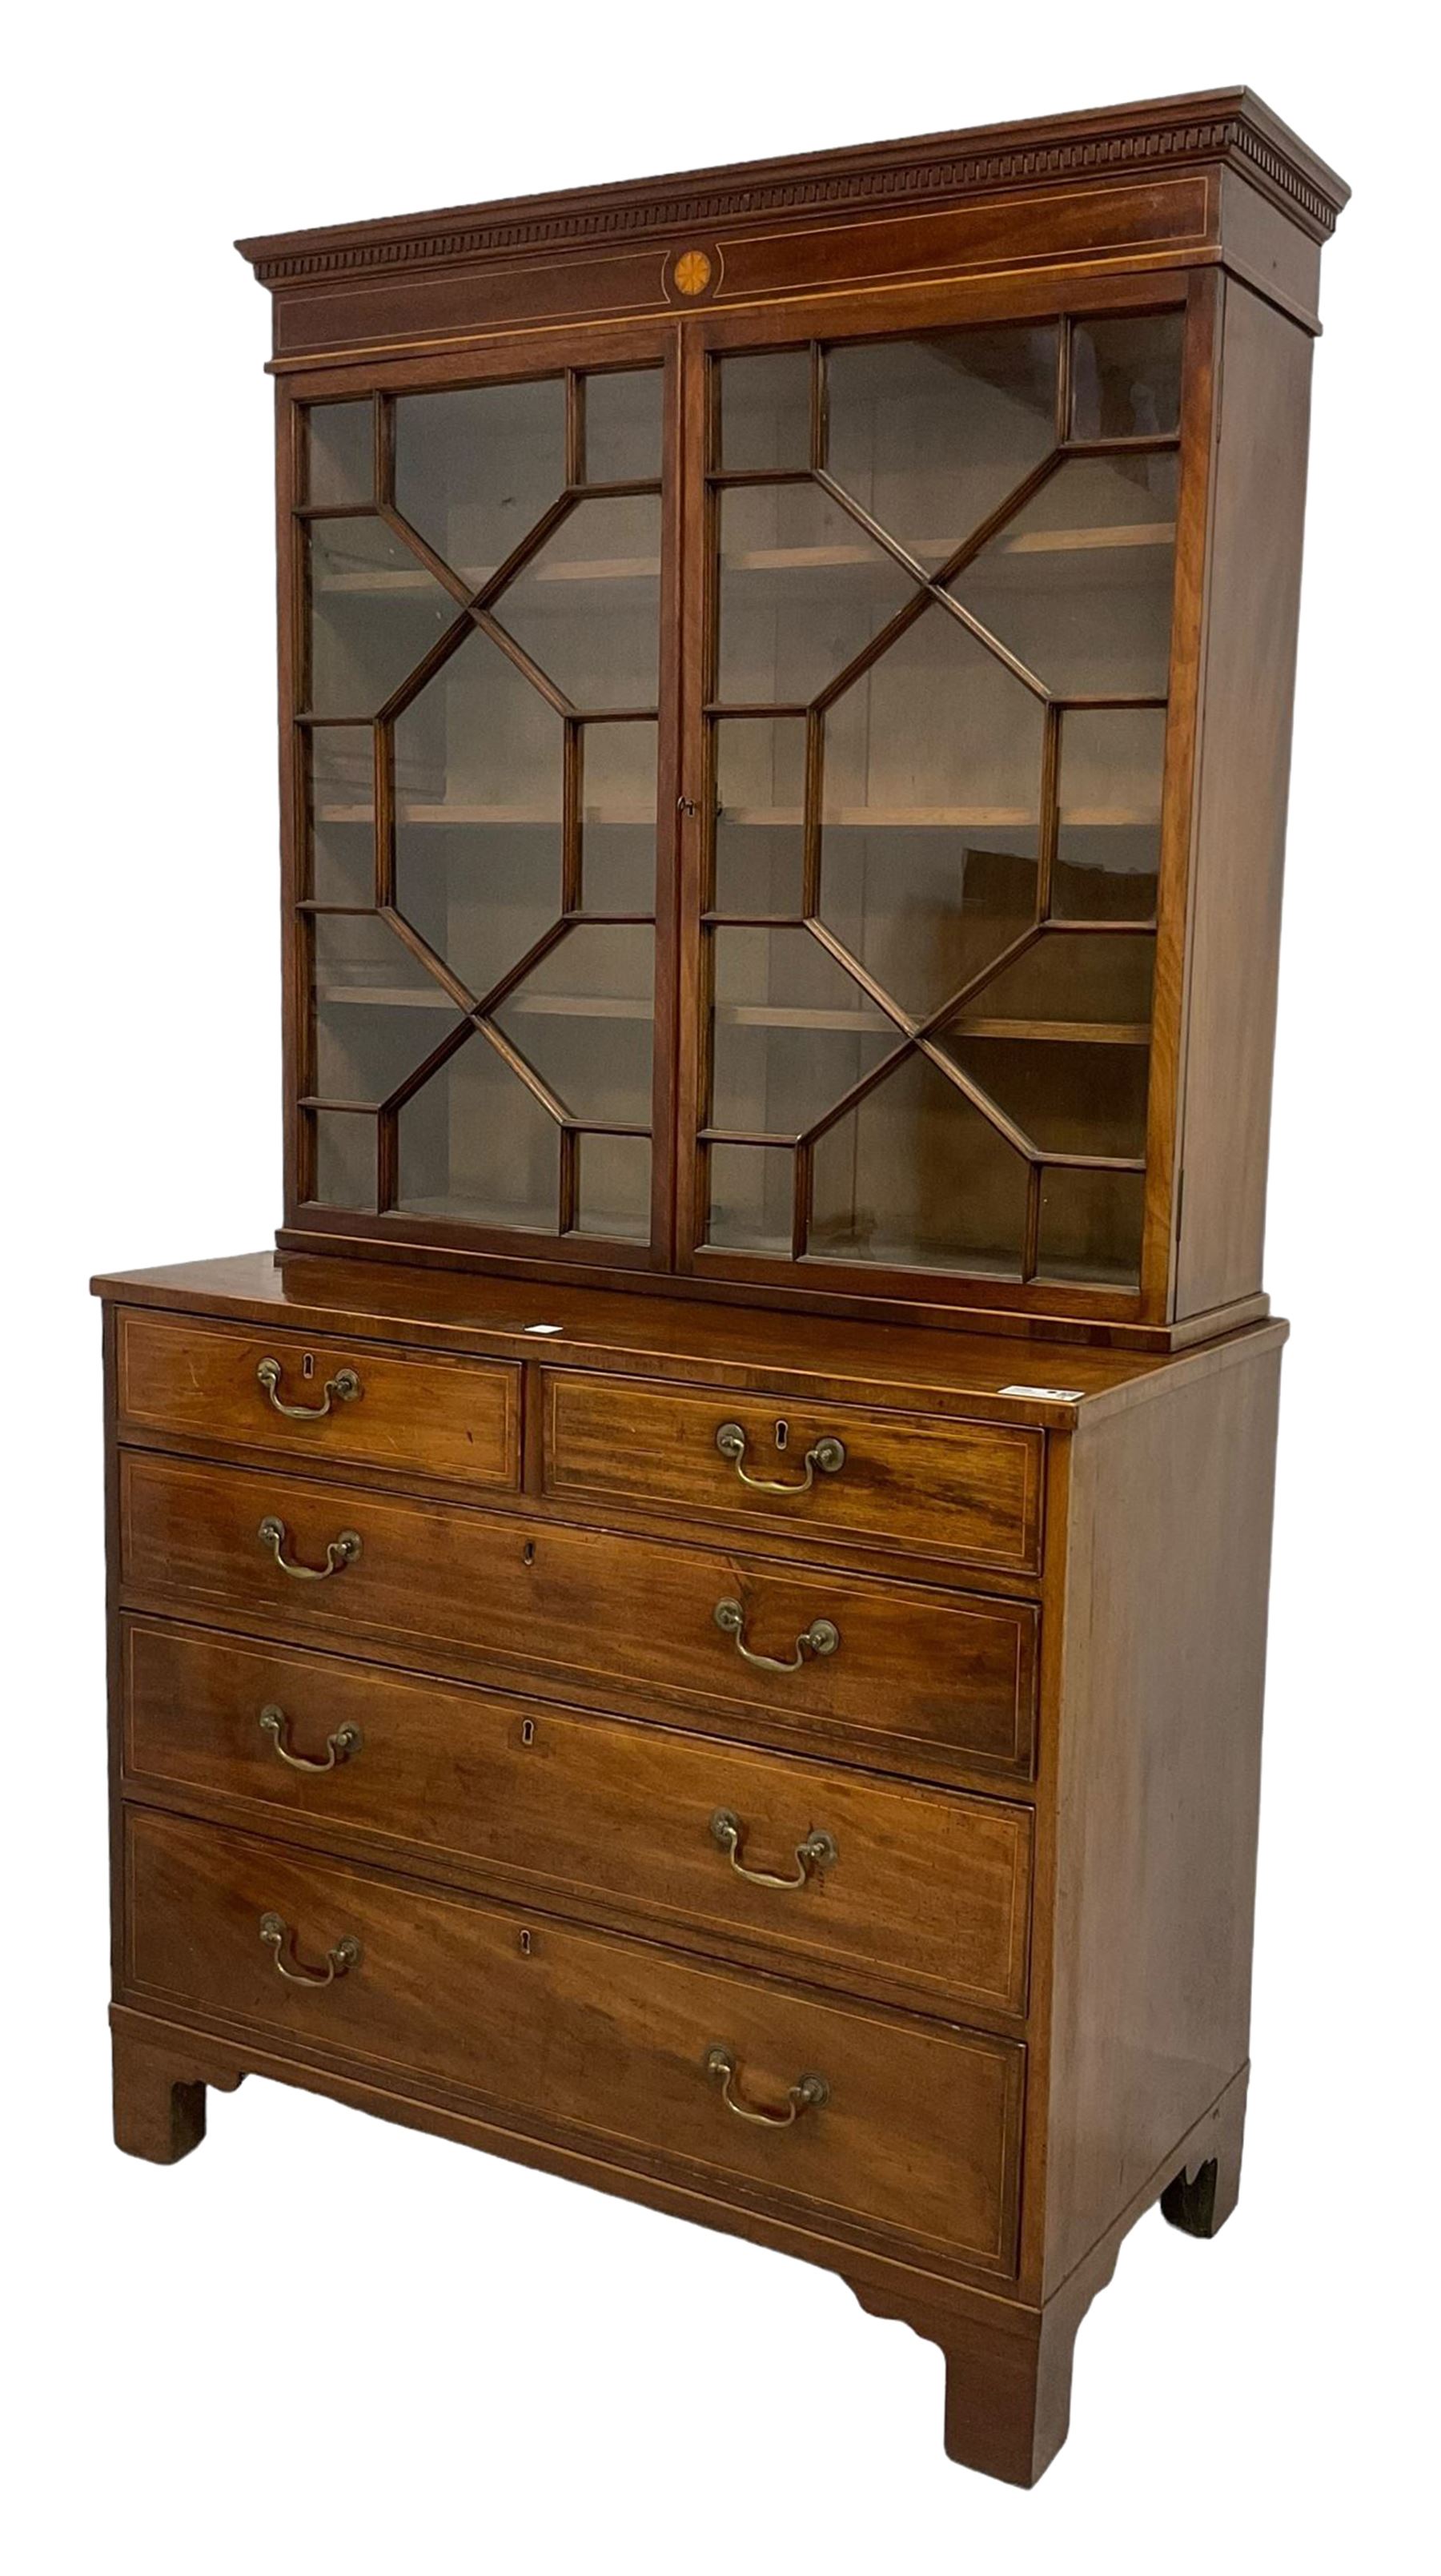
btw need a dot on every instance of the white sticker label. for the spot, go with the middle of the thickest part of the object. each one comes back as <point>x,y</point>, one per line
<point>1048,1394</point>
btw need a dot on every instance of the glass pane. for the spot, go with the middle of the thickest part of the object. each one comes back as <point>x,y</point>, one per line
<point>622,427</point>
<point>585,606</point>
<point>476,1144</point>
<point>378,1014</point>
<point>375,612</point>
<point>1126,377</point>
<point>1078,584</point>
<point>792,1032</point>
<point>930,435</point>
<point>914,1175</point>
<point>760,813</point>
<point>475,469</point>
<point>1091,1227</point>
<point>613,1187</point>
<point>618,817</point>
<point>752,1190</point>
<point>802,589</point>
<point>584,1019</point>
<point>479,763</point>
<point>1066,1099</point>
<point>1074,976</point>
<point>342,814</point>
<point>765,411</point>
<point>341,459</point>
<point>930,812</point>
<point>1108,849</point>
<point>345,1160</point>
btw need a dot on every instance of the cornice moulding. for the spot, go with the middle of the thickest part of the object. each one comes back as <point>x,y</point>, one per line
<point>1231,127</point>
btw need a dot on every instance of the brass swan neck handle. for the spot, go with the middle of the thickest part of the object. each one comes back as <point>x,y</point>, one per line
<point>828,1455</point>
<point>340,1389</point>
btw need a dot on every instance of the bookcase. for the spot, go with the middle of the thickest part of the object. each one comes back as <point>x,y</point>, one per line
<point>699,1621</point>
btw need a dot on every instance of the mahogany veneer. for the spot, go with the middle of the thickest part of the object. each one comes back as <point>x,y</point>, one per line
<point>782,1746</point>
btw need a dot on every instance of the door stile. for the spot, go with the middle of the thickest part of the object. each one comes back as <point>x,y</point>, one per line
<point>672,838</point>
<point>1200,428</point>
<point>294,927</point>
<point>695,786</point>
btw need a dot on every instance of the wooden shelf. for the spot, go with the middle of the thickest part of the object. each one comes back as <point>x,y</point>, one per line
<point>757,818</point>
<point>846,818</point>
<point>589,1006</point>
<point>391,997</point>
<point>1130,1033</point>
<point>937,818</point>
<point>782,1015</point>
<point>742,1015</point>
<point>372,584</point>
<point>788,1015</point>
<point>929,552</point>
<point>578,1006</point>
<point>490,816</point>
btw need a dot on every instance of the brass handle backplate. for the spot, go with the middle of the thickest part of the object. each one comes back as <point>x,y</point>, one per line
<point>808,2093</point>
<point>340,1389</point>
<point>821,1638</point>
<point>817,1852</point>
<point>341,1552</point>
<point>275,1932</point>
<point>339,1747</point>
<point>829,1455</point>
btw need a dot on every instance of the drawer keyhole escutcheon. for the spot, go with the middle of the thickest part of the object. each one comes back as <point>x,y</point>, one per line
<point>817,1852</point>
<point>344,1954</point>
<point>828,1455</point>
<point>340,1552</point>
<point>808,2093</point>
<point>821,1638</point>
<point>340,1389</point>
<point>339,1747</point>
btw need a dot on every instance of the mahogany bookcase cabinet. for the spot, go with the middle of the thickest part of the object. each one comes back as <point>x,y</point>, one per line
<point>700,1621</point>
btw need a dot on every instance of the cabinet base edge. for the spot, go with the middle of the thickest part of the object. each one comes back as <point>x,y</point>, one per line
<point>1008,2364</point>
<point>1121,1331</point>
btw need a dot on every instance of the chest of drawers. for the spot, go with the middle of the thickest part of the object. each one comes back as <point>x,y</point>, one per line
<point>842,1832</point>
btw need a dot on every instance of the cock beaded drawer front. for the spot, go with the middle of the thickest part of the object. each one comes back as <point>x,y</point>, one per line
<point>635,2050</point>
<point>701,1622</point>
<point>897,1675</point>
<point>878,1885</point>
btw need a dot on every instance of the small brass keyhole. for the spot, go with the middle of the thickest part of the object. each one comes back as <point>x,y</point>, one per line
<point>527,1553</point>
<point>783,1433</point>
<point>307,1365</point>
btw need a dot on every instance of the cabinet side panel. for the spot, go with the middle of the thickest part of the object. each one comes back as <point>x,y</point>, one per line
<point>1162,1680</point>
<point>1248,685</point>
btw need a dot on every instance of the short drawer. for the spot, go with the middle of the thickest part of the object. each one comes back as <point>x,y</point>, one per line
<point>898,1675</point>
<point>904,2127</point>
<point>968,1490</point>
<point>832,1874</point>
<point>347,1403</point>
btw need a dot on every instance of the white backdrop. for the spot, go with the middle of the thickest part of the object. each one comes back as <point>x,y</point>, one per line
<point>322,2343</point>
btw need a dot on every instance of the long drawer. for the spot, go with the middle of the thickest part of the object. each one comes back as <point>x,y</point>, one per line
<point>897,1676</point>
<point>346,1403</point>
<point>921,1888</point>
<point>968,1490</point>
<point>900,2126</point>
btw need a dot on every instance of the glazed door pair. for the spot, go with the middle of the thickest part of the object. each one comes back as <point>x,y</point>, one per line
<point>898,750</point>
